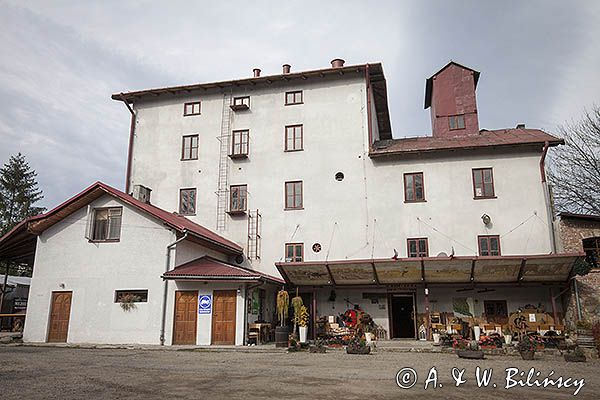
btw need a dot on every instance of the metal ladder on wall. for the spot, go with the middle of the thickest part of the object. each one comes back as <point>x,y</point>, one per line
<point>222,188</point>
<point>254,237</point>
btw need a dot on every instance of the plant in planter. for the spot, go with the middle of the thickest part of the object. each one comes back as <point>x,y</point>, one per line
<point>296,304</point>
<point>301,319</point>
<point>468,349</point>
<point>576,356</point>
<point>528,345</point>
<point>128,301</point>
<point>293,345</point>
<point>282,331</point>
<point>487,342</point>
<point>507,335</point>
<point>357,345</point>
<point>318,347</point>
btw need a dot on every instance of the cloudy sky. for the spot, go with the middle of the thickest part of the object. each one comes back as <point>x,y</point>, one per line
<point>61,60</point>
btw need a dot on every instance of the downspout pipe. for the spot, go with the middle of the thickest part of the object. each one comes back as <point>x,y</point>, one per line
<point>547,198</point>
<point>247,289</point>
<point>163,321</point>
<point>130,148</point>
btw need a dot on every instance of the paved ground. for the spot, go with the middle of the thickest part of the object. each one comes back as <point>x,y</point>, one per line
<point>70,373</point>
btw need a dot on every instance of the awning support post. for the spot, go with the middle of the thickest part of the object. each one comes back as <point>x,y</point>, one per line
<point>554,313</point>
<point>577,301</point>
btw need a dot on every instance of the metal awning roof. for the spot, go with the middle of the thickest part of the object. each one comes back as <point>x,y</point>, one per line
<point>460,269</point>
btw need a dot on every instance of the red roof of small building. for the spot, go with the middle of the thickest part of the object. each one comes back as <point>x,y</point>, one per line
<point>485,138</point>
<point>208,268</point>
<point>181,224</point>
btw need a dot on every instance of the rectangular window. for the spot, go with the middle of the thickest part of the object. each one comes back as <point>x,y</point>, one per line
<point>293,195</point>
<point>187,201</point>
<point>294,140</point>
<point>294,252</point>
<point>418,247</point>
<point>414,189</point>
<point>189,147</point>
<point>591,247</point>
<point>107,224</point>
<point>191,109</point>
<point>489,245</point>
<point>483,183</point>
<point>131,296</point>
<point>293,97</point>
<point>238,197</point>
<point>241,103</point>
<point>239,143</point>
<point>456,122</point>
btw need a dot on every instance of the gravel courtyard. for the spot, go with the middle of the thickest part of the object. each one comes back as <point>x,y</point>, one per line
<point>70,373</point>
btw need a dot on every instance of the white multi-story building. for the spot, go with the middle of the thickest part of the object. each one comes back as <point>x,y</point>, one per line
<point>300,172</point>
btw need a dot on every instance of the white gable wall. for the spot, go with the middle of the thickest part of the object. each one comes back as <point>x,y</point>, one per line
<point>66,261</point>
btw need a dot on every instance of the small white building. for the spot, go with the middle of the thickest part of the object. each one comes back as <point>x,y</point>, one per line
<point>300,176</point>
<point>103,250</point>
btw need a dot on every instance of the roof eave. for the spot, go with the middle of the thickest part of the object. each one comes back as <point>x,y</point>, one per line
<point>129,97</point>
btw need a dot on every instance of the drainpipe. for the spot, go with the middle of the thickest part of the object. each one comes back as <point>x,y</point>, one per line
<point>165,287</point>
<point>246,290</point>
<point>130,148</point>
<point>547,197</point>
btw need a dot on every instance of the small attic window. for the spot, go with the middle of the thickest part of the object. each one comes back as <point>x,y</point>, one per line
<point>456,122</point>
<point>106,224</point>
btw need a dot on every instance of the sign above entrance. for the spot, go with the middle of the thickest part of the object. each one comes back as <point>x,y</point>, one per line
<point>205,304</point>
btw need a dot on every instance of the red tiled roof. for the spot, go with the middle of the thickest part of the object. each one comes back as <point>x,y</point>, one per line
<point>485,138</point>
<point>179,223</point>
<point>211,269</point>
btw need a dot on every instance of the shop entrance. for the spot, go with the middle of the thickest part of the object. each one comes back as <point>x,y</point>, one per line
<point>402,316</point>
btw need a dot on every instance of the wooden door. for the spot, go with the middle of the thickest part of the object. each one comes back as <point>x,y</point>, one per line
<point>223,318</point>
<point>60,311</point>
<point>186,312</point>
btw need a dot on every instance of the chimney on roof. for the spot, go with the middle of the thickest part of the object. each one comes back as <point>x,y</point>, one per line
<point>141,193</point>
<point>256,72</point>
<point>520,126</point>
<point>286,68</point>
<point>337,63</point>
<point>450,93</point>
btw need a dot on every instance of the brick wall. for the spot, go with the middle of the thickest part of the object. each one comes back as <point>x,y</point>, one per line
<point>571,233</point>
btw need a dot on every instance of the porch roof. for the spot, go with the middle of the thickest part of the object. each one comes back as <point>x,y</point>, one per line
<point>210,269</point>
<point>459,269</point>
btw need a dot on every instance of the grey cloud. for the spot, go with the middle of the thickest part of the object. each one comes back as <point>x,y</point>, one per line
<point>61,60</point>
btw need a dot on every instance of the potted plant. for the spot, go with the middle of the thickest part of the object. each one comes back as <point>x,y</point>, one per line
<point>528,345</point>
<point>507,335</point>
<point>487,342</point>
<point>467,349</point>
<point>128,301</point>
<point>301,319</point>
<point>576,356</point>
<point>436,338</point>
<point>318,347</point>
<point>282,331</point>
<point>368,326</point>
<point>296,304</point>
<point>358,346</point>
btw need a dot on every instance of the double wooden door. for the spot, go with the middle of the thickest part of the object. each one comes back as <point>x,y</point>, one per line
<point>223,316</point>
<point>60,311</point>
<point>186,312</point>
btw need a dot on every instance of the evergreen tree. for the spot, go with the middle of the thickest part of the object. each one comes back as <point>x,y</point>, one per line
<point>18,193</point>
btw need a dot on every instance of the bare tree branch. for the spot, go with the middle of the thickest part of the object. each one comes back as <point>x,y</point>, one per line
<point>574,169</point>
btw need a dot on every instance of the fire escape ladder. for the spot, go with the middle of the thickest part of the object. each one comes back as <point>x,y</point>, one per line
<point>254,227</point>
<point>222,188</point>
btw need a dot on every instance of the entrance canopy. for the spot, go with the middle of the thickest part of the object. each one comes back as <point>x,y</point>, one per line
<point>460,269</point>
<point>210,269</point>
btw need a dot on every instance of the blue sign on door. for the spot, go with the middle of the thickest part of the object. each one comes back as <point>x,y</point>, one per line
<point>205,304</point>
